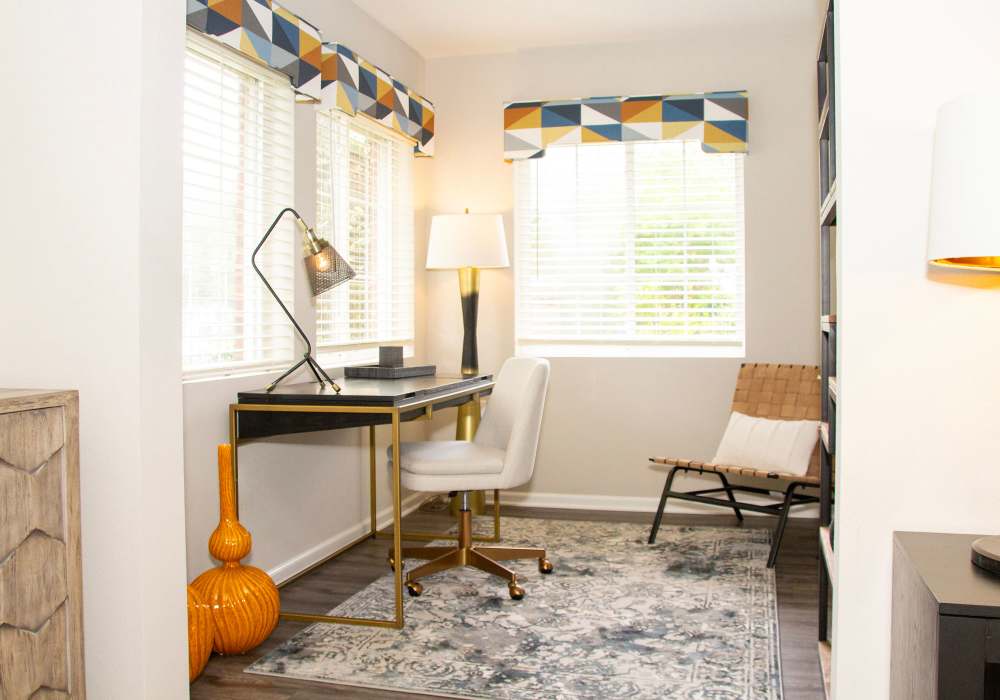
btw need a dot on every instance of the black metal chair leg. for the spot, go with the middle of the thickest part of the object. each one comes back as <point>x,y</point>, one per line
<point>780,530</point>
<point>732,498</point>
<point>663,504</point>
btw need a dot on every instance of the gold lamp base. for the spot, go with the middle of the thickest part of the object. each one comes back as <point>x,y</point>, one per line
<point>468,412</point>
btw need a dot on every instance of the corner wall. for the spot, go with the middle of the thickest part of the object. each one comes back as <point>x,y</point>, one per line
<point>918,384</point>
<point>606,416</point>
<point>90,183</point>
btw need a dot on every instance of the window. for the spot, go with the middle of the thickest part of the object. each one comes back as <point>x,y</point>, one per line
<point>364,208</point>
<point>630,249</point>
<point>238,174</point>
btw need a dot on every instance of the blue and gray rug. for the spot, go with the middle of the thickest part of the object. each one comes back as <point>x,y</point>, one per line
<point>693,616</point>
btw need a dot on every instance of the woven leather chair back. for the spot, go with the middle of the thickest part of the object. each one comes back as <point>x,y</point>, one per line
<point>785,392</point>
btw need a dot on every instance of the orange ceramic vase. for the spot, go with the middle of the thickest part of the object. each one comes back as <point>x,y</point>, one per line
<point>201,633</point>
<point>243,599</point>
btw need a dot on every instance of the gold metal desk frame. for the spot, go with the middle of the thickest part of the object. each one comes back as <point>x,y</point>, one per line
<point>427,405</point>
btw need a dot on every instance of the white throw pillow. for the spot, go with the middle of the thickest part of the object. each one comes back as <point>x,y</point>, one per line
<point>771,445</point>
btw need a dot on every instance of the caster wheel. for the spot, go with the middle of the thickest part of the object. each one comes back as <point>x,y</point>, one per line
<point>544,566</point>
<point>516,592</point>
<point>414,589</point>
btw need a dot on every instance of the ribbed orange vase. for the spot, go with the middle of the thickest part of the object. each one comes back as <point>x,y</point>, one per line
<point>243,599</point>
<point>201,633</point>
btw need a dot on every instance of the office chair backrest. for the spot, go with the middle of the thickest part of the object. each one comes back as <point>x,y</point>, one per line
<point>513,418</point>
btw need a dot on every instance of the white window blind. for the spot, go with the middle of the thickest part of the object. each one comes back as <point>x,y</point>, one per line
<point>630,249</point>
<point>364,207</point>
<point>238,174</point>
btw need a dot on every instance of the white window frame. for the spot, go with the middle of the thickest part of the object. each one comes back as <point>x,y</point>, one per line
<point>632,347</point>
<point>394,315</point>
<point>276,188</point>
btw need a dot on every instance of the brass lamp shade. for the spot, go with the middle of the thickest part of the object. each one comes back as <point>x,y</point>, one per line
<point>324,267</point>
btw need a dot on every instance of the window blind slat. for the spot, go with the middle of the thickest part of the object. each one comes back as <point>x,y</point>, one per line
<point>238,163</point>
<point>628,243</point>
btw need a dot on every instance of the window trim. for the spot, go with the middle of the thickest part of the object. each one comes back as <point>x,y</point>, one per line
<point>630,348</point>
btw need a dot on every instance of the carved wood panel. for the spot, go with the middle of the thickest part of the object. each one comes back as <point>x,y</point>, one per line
<point>40,617</point>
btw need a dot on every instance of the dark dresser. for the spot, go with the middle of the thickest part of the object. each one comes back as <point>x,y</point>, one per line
<point>945,620</point>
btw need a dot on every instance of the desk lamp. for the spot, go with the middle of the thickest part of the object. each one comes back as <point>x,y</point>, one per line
<point>964,224</point>
<point>326,269</point>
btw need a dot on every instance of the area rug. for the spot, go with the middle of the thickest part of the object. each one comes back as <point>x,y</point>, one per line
<point>693,616</point>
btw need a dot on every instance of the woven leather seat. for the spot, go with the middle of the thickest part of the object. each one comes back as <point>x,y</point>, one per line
<point>780,392</point>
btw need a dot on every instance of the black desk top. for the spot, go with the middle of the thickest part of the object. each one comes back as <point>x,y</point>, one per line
<point>943,563</point>
<point>366,392</point>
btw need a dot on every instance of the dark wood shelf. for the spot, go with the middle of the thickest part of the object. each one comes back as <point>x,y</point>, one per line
<point>826,549</point>
<point>828,210</point>
<point>824,117</point>
<point>826,664</point>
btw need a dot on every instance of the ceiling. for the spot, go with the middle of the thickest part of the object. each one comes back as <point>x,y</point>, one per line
<point>440,28</point>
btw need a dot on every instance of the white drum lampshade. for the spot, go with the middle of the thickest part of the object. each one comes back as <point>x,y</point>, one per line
<point>467,240</point>
<point>964,226</point>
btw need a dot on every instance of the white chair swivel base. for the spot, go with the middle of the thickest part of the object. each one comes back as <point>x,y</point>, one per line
<point>483,558</point>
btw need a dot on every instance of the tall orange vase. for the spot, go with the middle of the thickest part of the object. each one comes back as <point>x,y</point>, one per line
<point>201,634</point>
<point>243,599</point>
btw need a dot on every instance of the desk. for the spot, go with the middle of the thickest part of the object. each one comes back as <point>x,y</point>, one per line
<point>299,408</point>
<point>945,620</point>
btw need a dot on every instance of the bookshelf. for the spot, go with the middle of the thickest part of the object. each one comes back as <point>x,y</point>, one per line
<point>829,327</point>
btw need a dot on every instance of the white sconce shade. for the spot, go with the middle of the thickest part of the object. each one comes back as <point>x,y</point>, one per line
<point>466,240</point>
<point>964,225</point>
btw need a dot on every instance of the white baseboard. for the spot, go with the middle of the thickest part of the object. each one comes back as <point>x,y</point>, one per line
<point>299,563</point>
<point>631,504</point>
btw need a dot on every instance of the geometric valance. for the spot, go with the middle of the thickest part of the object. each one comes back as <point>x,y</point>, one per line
<point>717,119</point>
<point>329,74</point>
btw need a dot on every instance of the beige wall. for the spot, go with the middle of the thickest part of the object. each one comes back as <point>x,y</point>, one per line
<point>605,417</point>
<point>919,388</point>
<point>301,496</point>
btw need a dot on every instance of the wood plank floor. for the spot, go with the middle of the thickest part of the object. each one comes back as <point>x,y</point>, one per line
<point>337,580</point>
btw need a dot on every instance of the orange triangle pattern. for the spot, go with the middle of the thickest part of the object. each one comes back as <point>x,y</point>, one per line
<point>325,73</point>
<point>719,120</point>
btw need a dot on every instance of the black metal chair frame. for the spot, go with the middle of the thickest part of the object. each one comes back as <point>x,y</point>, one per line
<point>780,508</point>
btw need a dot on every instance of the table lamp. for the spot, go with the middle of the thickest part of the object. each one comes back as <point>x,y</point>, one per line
<point>325,269</point>
<point>468,243</point>
<point>964,223</point>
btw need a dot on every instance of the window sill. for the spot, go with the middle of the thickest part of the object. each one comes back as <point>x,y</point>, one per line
<point>625,351</point>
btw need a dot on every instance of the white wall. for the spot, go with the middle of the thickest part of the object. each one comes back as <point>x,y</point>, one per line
<point>90,184</point>
<point>605,417</point>
<point>304,496</point>
<point>919,390</point>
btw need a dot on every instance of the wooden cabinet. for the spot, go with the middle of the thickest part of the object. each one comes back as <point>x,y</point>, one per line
<point>41,615</point>
<point>945,620</point>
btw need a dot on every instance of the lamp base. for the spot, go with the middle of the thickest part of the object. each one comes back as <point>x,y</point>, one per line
<point>307,359</point>
<point>986,554</point>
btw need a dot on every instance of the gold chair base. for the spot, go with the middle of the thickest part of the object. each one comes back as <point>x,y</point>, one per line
<point>483,558</point>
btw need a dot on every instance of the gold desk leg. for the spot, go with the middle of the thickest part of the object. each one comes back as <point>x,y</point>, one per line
<point>371,477</point>
<point>235,460</point>
<point>397,526</point>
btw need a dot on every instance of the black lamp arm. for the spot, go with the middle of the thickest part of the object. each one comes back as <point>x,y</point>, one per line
<point>253,262</point>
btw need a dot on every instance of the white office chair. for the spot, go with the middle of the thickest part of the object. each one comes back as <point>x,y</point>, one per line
<point>501,456</point>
